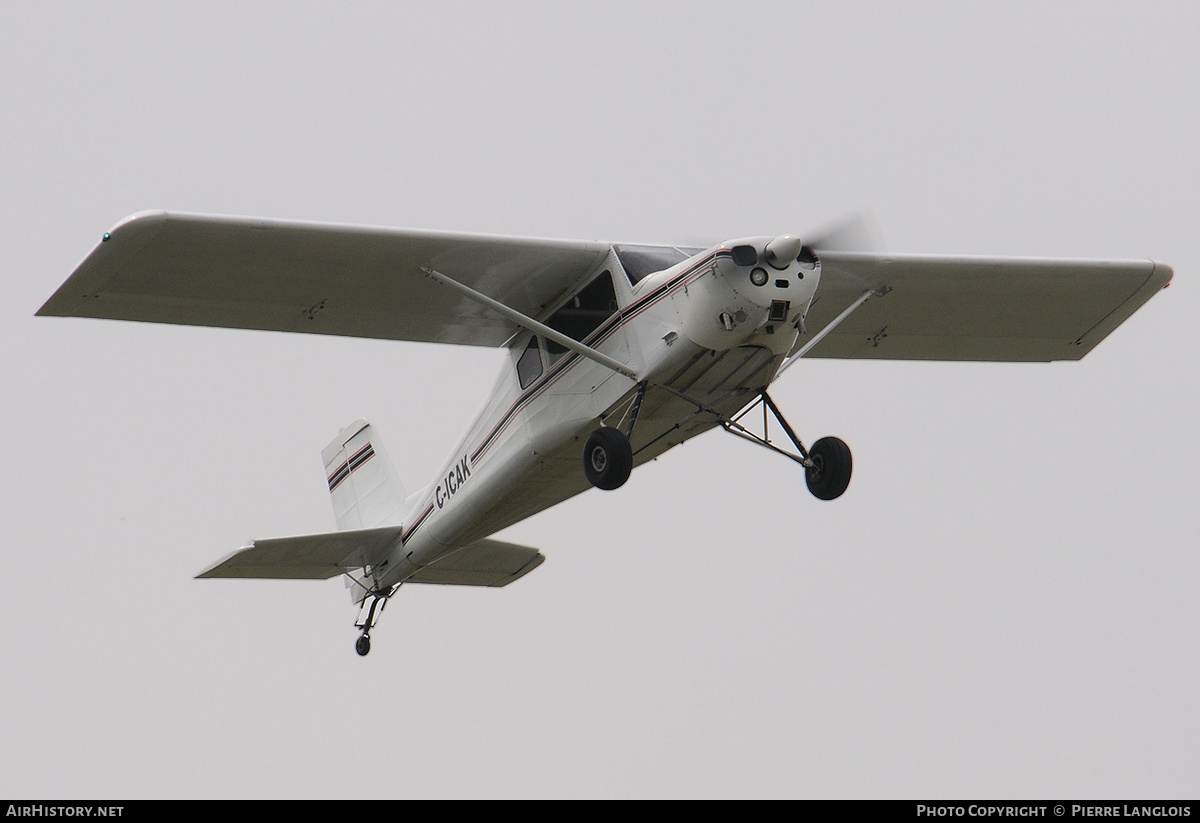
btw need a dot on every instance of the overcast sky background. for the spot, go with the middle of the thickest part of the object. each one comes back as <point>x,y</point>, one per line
<point>1002,605</point>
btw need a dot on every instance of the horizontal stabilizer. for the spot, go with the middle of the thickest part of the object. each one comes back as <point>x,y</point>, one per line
<point>307,557</point>
<point>483,563</point>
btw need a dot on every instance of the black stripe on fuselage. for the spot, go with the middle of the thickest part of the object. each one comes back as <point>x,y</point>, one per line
<point>606,330</point>
<point>416,524</point>
<point>598,337</point>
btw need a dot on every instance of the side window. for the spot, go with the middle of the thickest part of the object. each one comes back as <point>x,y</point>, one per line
<point>529,367</point>
<point>584,313</point>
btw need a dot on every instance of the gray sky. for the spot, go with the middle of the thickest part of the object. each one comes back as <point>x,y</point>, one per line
<point>1002,605</point>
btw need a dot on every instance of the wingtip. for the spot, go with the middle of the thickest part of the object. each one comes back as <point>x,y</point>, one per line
<point>1163,273</point>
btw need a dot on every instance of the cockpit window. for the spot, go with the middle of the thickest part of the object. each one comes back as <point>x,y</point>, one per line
<point>642,261</point>
<point>584,312</point>
<point>529,367</point>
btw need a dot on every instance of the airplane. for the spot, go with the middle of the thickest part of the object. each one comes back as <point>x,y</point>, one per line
<point>616,353</point>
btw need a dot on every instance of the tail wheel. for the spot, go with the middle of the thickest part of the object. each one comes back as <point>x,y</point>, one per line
<point>829,474</point>
<point>363,645</point>
<point>607,459</point>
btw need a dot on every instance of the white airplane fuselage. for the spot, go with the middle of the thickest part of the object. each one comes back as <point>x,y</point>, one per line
<point>709,331</point>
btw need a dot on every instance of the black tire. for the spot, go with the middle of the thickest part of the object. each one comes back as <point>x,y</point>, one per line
<point>607,459</point>
<point>362,646</point>
<point>830,474</point>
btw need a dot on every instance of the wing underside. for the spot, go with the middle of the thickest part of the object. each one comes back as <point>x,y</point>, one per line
<point>317,278</point>
<point>367,282</point>
<point>975,308</point>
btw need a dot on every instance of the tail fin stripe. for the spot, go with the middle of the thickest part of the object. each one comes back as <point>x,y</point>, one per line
<point>363,483</point>
<point>346,469</point>
<point>361,456</point>
<point>335,479</point>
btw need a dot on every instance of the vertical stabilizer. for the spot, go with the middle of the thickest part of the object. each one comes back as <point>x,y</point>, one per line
<point>365,488</point>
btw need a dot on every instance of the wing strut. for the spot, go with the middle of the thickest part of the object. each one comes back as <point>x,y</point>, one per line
<point>821,334</point>
<point>533,325</point>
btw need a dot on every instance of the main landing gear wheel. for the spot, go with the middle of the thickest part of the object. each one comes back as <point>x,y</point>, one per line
<point>363,645</point>
<point>829,474</point>
<point>607,458</point>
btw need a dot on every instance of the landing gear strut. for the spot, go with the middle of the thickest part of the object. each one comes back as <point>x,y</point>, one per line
<point>373,611</point>
<point>827,465</point>
<point>608,456</point>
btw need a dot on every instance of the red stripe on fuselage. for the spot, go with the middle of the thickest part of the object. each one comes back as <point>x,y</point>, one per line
<point>597,338</point>
<point>606,330</point>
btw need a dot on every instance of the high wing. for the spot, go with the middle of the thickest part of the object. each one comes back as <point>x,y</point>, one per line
<point>360,281</point>
<point>974,308</point>
<point>251,273</point>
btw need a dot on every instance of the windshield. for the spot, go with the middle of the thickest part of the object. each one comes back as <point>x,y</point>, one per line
<point>641,261</point>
